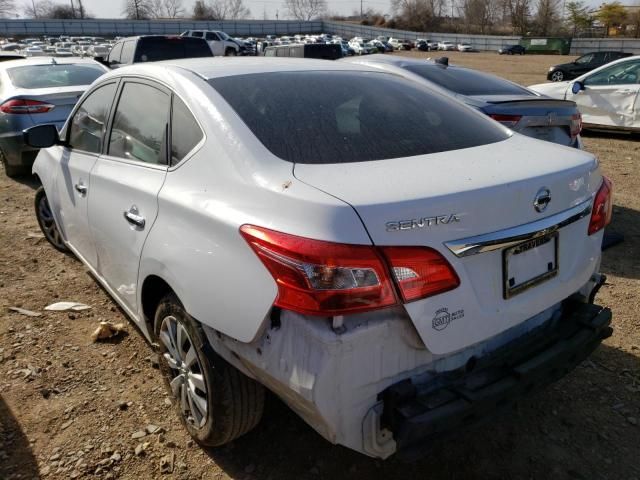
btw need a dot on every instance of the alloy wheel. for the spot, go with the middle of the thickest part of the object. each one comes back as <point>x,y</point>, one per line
<point>557,76</point>
<point>48,224</point>
<point>187,379</point>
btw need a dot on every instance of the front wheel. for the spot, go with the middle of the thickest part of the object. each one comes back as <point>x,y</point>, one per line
<point>46,221</point>
<point>557,76</point>
<point>217,403</point>
<point>230,52</point>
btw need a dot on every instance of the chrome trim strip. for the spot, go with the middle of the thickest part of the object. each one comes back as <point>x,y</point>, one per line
<point>489,242</point>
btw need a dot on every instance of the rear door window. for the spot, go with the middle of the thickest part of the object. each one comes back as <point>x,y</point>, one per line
<point>128,49</point>
<point>341,116</point>
<point>114,55</point>
<point>185,131</point>
<point>140,124</point>
<point>154,49</point>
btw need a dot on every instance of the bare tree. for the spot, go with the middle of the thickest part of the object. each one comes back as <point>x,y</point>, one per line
<point>478,15</point>
<point>547,17</point>
<point>138,9</point>
<point>520,13</point>
<point>201,11</point>
<point>229,9</point>
<point>37,8</point>
<point>166,9</point>
<point>417,15</point>
<point>7,8</point>
<point>305,10</point>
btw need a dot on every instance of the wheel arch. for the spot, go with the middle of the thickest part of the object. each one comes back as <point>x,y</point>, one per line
<point>154,289</point>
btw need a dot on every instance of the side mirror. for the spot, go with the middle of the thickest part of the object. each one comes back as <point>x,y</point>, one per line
<point>41,136</point>
<point>101,60</point>
<point>577,87</point>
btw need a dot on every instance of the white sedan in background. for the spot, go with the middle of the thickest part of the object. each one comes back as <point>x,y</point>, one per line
<point>388,283</point>
<point>608,97</point>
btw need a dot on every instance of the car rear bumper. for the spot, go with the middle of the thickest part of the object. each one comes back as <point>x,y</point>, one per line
<point>417,414</point>
<point>16,152</point>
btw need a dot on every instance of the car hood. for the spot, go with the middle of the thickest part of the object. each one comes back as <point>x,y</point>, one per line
<point>563,65</point>
<point>554,90</point>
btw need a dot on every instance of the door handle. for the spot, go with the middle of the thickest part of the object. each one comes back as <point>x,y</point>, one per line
<point>133,217</point>
<point>81,189</point>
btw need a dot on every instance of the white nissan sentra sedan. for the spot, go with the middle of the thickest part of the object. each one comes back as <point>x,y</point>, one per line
<point>273,223</point>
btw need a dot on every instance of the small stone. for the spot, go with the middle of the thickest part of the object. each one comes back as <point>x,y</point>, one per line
<point>55,456</point>
<point>166,463</point>
<point>122,405</point>
<point>45,470</point>
<point>170,444</point>
<point>116,457</point>
<point>181,466</point>
<point>66,425</point>
<point>151,429</point>
<point>138,434</point>
<point>189,443</point>
<point>139,450</point>
<point>632,420</point>
<point>45,392</point>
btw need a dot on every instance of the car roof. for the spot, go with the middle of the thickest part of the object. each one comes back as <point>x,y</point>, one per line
<point>217,67</point>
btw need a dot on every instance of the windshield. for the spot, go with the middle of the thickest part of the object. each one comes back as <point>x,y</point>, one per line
<point>154,49</point>
<point>585,59</point>
<point>49,76</point>
<point>466,82</point>
<point>366,116</point>
<point>224,36</point>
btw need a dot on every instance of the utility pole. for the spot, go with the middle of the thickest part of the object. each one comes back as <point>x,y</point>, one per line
<point>277,11</point>
<point>361,17</point>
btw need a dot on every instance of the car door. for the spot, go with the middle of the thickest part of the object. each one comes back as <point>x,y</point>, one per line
<point>610,95</point>
<point>125,183</point>
<point>217,46</point>
<point>84,140</point>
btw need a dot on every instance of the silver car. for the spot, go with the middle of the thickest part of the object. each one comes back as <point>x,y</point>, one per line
<point>33,92</point>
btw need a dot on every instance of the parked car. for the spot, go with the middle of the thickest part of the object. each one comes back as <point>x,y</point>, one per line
<point>383,316</point>
<point>33,52</point>
<point>63,52</point>
<point>422,45</point>
<point>608,97</point>
<point>446,46</point>
<point>153,48</point>
<point>522,110</point>
<point>97,51</point>
<point>221,44</point>
<point>512,50</point>
<point>36,91</point>
<point>465,47</point>
<point>582,65</point>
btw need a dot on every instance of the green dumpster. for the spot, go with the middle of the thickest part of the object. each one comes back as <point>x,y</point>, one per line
<point>548,45</point>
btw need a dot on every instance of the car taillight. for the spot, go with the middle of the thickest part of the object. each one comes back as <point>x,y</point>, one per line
<point>324,278</point>
<point>507,120</point>
<point>420,272</point>
<point>576,125</point>
<point>602,207</point>
<point>25,106</point>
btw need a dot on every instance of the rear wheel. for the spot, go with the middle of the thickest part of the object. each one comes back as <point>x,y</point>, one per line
<point>557,76</point>
<point>47,222</point>
<point>217,403</point>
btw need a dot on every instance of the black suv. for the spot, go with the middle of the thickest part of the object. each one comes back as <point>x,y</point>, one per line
<point>582,65</point>
<point>153,48</point>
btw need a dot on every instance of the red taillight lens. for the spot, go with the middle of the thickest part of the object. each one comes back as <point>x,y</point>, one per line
<point>325,278</point>
<point>25,106</point>
<point>420,272</point>
<point>507,120</point>
<point>322,278</point>
<point>576,125</point>
<point>602,207</point>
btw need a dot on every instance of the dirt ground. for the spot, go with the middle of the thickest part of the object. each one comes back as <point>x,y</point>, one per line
<point>69,407</point>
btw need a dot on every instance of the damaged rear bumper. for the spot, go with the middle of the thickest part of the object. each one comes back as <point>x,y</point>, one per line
<point>416,413</point>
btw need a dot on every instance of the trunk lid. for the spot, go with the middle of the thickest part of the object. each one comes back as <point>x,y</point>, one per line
<point>542,118</point>
<point>434,199</point>
<point>64,99</point>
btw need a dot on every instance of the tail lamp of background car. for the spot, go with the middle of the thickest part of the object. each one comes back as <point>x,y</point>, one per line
<point>22,106</point>
<point>602,207</point>
<point>576,125</point>
<point>324,278</point>
<point>508,121</point>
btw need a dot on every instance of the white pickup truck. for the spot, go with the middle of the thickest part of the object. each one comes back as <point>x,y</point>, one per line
<point>221,44</point>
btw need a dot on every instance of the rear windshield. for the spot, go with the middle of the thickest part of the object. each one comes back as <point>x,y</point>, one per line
<point>466,82</point>
<point>337,117</point>
<point>159,48</point>
<point>49,76</point>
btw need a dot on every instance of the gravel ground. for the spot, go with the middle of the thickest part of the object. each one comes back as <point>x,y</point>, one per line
<point>71,408</point>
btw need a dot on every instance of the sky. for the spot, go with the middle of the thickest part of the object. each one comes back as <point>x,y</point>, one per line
<point>259,8</point>
<point>113,8</point>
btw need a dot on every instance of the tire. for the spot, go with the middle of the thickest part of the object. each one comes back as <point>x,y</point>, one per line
<point>233,402</point>
<point>230,52</point>
<point>47,222</point>
<point>557,76</point>
<point>11,171</point>
<point>510,52</point>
